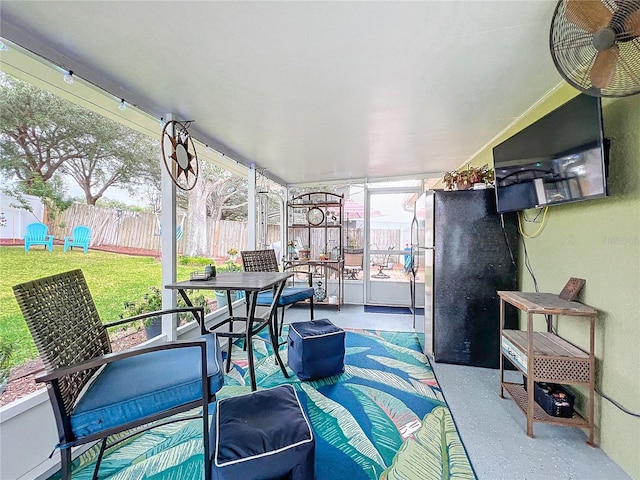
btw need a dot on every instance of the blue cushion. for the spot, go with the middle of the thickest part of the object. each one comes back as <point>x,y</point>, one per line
<point>262,435</point>
<point>289,295</point>
<point>319,328</point>
<point>316,349</point>
<point>135,387</point>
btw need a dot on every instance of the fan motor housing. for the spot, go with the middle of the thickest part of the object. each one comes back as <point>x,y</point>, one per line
<point>604,39</point>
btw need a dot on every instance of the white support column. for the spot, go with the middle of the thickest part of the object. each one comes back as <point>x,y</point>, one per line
<point>168,244</point>
<point>283,227</point>
<point>251,218</point>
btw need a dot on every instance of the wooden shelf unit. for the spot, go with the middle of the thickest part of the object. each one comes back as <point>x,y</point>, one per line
<point>546,357</point>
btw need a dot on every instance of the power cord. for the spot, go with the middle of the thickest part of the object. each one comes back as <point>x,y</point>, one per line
<point>535,283</point>
<point>540,228</point>
<point>606,397</point>
<point>534,219</point>
<point>616,404</point>
<point>506,240</point>
<point>527,264</point>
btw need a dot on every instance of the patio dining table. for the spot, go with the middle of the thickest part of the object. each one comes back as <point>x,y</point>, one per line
<point>251,283</point>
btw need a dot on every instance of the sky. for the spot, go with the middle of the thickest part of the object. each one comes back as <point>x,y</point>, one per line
<point>112,193</point>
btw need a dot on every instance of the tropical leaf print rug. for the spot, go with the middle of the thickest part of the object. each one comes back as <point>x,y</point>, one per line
<point>384,418</point>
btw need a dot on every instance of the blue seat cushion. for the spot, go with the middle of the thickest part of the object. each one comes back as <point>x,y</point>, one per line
<point>262,435</point>
<point>136,387</point>
<point>289,295</point>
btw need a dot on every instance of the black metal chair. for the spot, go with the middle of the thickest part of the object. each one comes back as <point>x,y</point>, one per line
<point>98,395</point>
<point>265,261</point>
<point>382,264</point>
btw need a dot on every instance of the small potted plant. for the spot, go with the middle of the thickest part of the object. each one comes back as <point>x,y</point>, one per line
<point>305,253</point>
<point>151,302</point>
<point>6,350</point>
<point>221,295</point>
<point>233,254</point>
<point>466,179</point>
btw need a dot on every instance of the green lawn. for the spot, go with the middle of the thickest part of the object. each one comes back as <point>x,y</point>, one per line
<point>112,278</point>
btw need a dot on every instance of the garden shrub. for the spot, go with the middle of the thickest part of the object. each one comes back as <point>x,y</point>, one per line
<point>152,301</point>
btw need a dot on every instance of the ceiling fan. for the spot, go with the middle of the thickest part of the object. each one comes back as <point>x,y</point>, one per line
<point>179,154</point>
<point>595,45</point>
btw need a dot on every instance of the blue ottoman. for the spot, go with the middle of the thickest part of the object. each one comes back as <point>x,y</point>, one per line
<point>316,349</point>
<point>263,435</point>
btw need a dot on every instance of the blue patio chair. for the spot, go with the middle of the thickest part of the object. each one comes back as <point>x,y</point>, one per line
<point>80,237</point>
<point>101,396</point>
<point>265,261</point>
<point>38,234</point>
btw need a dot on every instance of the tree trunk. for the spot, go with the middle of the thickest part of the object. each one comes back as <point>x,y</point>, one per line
<point>197,238</point>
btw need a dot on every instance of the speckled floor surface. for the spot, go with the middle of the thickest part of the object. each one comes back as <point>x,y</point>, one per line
<point>493,429</point>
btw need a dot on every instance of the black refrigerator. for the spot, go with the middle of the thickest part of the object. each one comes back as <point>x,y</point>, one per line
<point>469,252</point>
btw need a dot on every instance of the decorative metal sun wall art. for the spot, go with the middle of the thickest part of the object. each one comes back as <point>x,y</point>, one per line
<point>179,154</point>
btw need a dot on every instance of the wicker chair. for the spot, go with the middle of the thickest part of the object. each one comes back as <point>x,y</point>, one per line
<point>265,261</point>
<point>96,393</point>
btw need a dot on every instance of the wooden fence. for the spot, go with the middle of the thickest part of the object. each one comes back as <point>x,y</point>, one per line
<point>122,228</point>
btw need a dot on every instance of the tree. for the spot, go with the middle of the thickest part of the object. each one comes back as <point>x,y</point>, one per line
<point>44,136</point>
<point>35,132</point>
<point>114,155</point>
<point>210,198</point>
<point>230,201</point>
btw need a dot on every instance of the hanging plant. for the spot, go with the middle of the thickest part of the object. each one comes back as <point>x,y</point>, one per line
<point>465,179</point>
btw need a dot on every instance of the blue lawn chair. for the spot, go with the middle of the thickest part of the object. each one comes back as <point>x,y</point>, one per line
<point>37,234</point>
<point>80,237</point>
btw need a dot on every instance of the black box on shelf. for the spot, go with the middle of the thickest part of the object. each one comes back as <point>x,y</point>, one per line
<point>554,399</point>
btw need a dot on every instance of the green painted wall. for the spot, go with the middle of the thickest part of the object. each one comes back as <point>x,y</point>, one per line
<point>599,241</point>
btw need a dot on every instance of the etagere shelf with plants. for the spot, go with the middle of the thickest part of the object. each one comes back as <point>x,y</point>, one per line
<point>315,243</point>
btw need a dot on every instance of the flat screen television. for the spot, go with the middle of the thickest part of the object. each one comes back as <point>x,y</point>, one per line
<point>561,158</point>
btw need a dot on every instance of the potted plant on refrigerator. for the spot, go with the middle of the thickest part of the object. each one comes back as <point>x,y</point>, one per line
<point>466,179</point>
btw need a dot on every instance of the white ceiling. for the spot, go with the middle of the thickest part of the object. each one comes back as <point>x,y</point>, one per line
<point>310,91</point>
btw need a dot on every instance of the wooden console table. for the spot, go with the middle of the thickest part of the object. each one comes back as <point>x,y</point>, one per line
<point>545,357</point>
